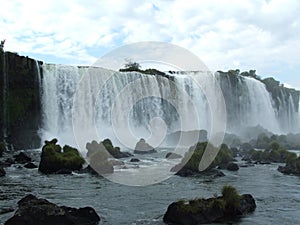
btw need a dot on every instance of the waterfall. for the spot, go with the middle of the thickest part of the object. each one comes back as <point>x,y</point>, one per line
<point>97,103</point>
<point>248,103</point>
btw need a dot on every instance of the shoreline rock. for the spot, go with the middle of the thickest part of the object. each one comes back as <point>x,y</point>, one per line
<point>37,211</point>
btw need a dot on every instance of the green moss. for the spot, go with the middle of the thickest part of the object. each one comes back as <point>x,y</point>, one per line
<point>231,197</point>
<point>54,159</point>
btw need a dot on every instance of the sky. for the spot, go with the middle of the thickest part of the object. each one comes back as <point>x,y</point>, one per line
<point>230,34</point>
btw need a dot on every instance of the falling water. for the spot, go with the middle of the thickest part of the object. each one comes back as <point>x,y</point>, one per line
<point>105,102</point>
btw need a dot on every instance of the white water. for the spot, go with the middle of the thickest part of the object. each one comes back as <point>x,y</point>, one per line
<point>96,103</point>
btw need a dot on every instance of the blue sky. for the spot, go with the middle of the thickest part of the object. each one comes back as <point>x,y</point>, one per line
<point>249,34</point>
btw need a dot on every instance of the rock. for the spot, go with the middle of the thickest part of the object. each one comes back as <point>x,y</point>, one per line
<point>22,158</point>
<point>142,147</point>
<point>2,172</point>
<point>232,167</point>
<point>218,174</point>
<point>2,148</point>
<point>189,164</point>
<point>106,145</point>
<point>8,162</point>
<point>57,160</point>
<point>30,165</point>
<point>117,163</point>
<point>172,155</point>
<point>34,211</point>
<point>134,160</point>
<point>89,170</point>
<point>205,211</point>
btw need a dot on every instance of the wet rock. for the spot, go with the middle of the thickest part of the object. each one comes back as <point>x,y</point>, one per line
<point>134,160</point>
<point>172,155</point>
<point>22,158</point>
<point>34,211</point>
<point>30,165</point>
<point>232,167</point>
<point>142,147</point>
<point>205,211</point>
<point>2,172</point>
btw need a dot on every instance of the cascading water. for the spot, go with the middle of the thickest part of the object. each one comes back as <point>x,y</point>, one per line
<point>105,100</point>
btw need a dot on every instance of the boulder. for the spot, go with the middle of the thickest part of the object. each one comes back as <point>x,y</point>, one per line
<point>30,165</point>
<point>37,211</point>
<point>106,145</point>
<point>54,159</point>
<point>142,147</point>
<point>2,172</point>
<point>2,148</point>
<point>222,209</point>
<point>172,155</point>
<point>232,166</point>
<point>22,158</point>
<point>134,160</point>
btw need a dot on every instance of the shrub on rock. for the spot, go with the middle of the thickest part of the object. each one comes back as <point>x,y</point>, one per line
<point>190,163</point>
<point>224,208</point>
<point>55,159</point>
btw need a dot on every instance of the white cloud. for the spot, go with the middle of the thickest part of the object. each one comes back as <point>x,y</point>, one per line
<point>224,34</point>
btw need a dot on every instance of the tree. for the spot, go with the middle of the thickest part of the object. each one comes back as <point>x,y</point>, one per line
<point>130,65</point>
<point>2,45</point>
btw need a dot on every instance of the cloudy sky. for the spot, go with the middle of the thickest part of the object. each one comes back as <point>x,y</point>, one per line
<point>228,34</point>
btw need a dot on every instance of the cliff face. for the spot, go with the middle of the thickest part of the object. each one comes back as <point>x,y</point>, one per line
<point>20,116</point>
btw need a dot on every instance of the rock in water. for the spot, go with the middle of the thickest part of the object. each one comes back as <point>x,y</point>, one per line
<point>34,211</point>
<point>2,172</point>
<point>232,166</point>
<point>142,147</point>
<point>205,211</point>
<point>54,159</point>
<point>22,158</point>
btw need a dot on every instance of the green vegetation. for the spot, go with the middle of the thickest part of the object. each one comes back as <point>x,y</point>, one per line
<point>2,45</point>
<point>229,201</point>
<point>193,157</point>
<point>275,152</point>
<point>135,67</point>
<point>107,148</point>
<point>54,158</point>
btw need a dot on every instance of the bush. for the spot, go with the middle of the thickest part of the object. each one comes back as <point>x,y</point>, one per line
<point>54,159</point>
<point>231,197</point>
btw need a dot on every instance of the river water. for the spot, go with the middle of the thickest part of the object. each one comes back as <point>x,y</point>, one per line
<point>277,196</point>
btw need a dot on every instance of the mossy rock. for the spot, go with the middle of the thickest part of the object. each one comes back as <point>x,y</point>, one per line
<point>55,159</point>
<point>227,207</point>
<point>190,163</point>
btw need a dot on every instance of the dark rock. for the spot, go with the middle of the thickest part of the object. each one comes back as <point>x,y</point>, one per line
<point>89,170</point>
<point>205,211</point>
<point>30,165</point>
<point>172,155</point>
<point>23,103</point>
<point>54,159</point>
<point>8,162</point>
<point>134,160</point>
<point>22,158</point>
<point>142,147</point>
<point>2,172</point>
<point>232,167</point>
<point>2,148</point>
<point>106,145</point>
<point>218,174</point>
<point>34,211</point>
